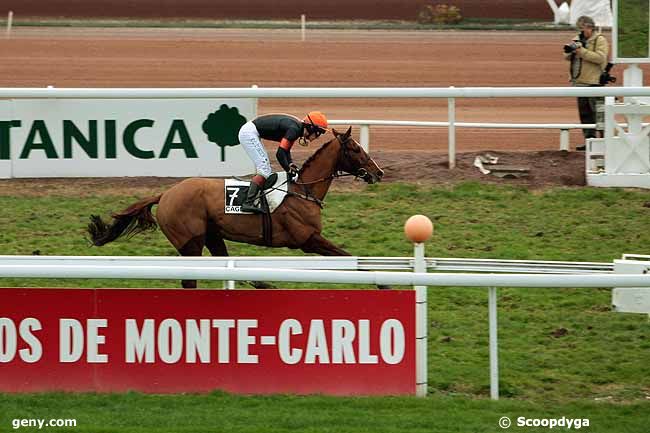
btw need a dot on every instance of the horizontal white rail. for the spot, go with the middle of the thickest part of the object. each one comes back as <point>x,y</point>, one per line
<point>331,277</point>
<point>517,266</point>
<point>365,125</point>
<point>350,263</point>
<point>322,92</point>
<point>417,123</point>
<point>305,262</point>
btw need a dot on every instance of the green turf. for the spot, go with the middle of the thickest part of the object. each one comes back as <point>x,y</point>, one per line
<point>597,367</point>
<point>220,412</point>
<point>633,29</point>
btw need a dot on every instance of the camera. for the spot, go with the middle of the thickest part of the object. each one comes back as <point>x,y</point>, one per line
<point>570,48</point>
<point>605,78</point>
<point>574,45</point>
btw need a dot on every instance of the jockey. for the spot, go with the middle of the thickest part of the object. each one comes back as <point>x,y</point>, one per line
<point>284,129</point>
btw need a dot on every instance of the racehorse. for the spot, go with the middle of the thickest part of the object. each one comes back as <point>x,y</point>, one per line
<point>191,214</point>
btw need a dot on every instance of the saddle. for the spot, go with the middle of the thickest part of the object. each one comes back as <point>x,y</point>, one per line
<point>274,192</point>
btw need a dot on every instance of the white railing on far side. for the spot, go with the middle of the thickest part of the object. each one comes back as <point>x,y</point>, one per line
<point>451,93</point>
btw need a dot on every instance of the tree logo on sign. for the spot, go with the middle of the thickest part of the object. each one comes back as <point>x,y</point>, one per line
<point>222,127</point>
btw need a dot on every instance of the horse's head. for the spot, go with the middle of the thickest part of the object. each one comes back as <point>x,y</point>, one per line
<point>354,160</point>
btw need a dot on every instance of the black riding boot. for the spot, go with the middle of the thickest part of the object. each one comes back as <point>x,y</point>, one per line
<point>248,205</point>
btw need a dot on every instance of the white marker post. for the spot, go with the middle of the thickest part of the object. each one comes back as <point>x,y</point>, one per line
<point>255,102</point>
<point>10,20</point>
<point>493,343</point>
<point>451,139</point>
<point>418,229</point>
<point>303,21</point>
<point>364,137</point>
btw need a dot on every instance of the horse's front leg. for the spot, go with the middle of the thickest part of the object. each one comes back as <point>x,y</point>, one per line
<point>319,245</point>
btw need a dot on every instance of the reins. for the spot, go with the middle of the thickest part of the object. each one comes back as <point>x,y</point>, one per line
<point>338,173</point>
<point>330,177</point>
<point>307,195</point>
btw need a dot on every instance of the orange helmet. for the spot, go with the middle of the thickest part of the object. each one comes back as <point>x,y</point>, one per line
<point>315,121</point>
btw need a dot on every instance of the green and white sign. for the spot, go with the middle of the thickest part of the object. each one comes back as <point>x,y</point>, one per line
<point>123,137</point>
<point>631,31</point>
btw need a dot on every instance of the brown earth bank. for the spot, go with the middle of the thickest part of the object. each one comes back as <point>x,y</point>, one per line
<point>264,9</point>
<point>546,169</point>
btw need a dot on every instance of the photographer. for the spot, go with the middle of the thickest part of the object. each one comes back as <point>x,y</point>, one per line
<point>587,53</point>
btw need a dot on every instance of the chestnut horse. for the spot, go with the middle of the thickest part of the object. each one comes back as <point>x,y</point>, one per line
<point>191,213</point>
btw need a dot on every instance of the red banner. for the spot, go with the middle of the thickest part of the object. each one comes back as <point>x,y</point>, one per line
<point>341,342</point>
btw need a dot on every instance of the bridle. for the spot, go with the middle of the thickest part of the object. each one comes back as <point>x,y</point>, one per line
<point>360,173</point>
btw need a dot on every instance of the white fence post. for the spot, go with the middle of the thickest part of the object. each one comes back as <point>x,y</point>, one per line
<point>451,108</point>
<point>303,25</point>
<point>10,19</point>
<point>419,228</point>
<point>364,137</point>
<point>494,347</point>
<point>421,375</point>
<point>255,102</point>
<point>230,284</point>
<point>564,139</point>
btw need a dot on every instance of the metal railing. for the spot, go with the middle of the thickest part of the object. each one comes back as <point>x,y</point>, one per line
<point>365,124</point>
<point>340,263</point>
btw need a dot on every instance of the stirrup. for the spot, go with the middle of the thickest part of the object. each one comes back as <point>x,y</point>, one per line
<point>250,207</point>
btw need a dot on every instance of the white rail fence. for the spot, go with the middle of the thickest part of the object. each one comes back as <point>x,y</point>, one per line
<point>340,263</point>
<point>178,272</point>
<point>364,129</point>
<point>451,93</point>
<point>534,274</point>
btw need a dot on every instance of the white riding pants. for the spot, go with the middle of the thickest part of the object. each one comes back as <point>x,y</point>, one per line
<point>249,138</point>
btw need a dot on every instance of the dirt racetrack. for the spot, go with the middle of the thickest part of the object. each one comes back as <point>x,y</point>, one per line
<point>265,9</point>
<point>89,57</point>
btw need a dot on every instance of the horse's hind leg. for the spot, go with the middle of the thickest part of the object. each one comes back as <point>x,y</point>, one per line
<point>217,248</point>
<point>193,248</point>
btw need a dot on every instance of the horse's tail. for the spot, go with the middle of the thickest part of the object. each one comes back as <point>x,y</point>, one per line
<point>135,219</point>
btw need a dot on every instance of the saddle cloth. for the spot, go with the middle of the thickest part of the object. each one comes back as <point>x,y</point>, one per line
<point>236,190</point>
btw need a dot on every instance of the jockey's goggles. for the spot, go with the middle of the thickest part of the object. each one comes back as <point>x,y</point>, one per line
<point>319,130</point>
<point>312,128</point>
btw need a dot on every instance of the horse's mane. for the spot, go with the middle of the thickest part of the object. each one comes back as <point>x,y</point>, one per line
<point>315,154</point>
